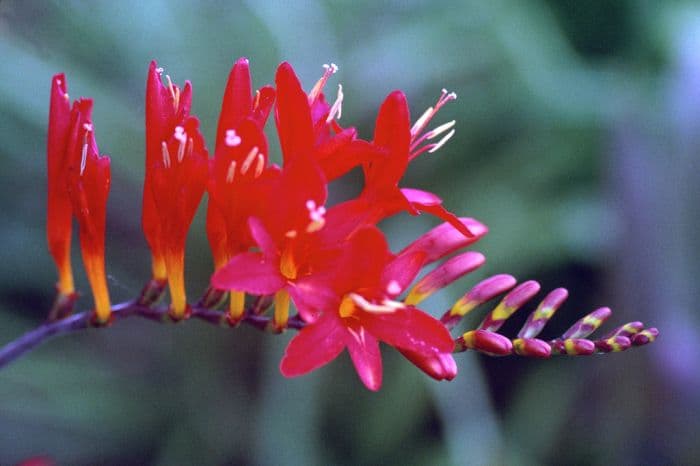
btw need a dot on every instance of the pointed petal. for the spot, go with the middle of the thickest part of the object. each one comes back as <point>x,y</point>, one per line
<point>249,272</point>
<point>313,296</point>
<point>365,355</point>
<point>237,103</point>
<point>314,346</point>
<point>428,202</point>
<point>410,329</point>
<point>392,133</point>
<point>293,115</point>
<point>401,271</point>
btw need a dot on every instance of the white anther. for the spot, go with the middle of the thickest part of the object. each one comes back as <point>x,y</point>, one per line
<point>439,130</point>
<point>232,139</point>
<point>442,141</point>
<point>231,173</point>
<point>316,215</point>
<point>291,234</point>
<point>166,154</point>
<point>83,159</point>
<point>336,110</point>
<point>159,70</point>
<point>393,287</point>
<point>87,126</point>
<point>249,159</point>
<point>260,166</point>
<point>332,67</point>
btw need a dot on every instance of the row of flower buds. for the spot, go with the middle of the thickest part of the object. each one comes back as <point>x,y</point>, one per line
<point>273,237</point>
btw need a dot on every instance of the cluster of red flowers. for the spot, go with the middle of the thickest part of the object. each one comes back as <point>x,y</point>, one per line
<point>272,233</point>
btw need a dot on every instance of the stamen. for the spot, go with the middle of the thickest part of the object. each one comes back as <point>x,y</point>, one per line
<point>83,159</point>
<point>250,158</point>
<point>318,87</point>
<point>159,70</point>
<point>423,121</point>
<point>365,305</point>
<point>291,234</point>
<point>166,154</point>
<point>260,166</point>
<point>231,173</point>
<point>420,122</point>
<point>256,99</point>
<point>337,108</point>
<point>174,92</point>
<point>232,139</point>
<point>87,127</point>
<point>441,142</point>
<point>439,130</point>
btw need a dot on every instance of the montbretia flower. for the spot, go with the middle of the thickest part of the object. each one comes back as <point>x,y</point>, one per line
<point>239,172</point>
<point>166,108</point>
<point>88,187</point>
<point>176,176</point>
<point>400,143</point>
<point>358,312</point>
<point>59,219</point>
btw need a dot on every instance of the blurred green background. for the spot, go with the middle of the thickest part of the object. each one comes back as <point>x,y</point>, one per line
<point>577,143</point>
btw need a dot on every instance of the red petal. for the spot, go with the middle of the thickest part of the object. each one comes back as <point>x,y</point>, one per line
<point>409,329</point>
<point>293,115</point>
<point>402,270</point>
<point>364,352</point>
<point>428,202</point>
<point>262,238</point>
<point>312,297</point>
<point>237,103</point>
<point>362,261</point>
<point>314,346</point>
<point>393,133</point>
<point>265,99</point>
<point>249,272</point>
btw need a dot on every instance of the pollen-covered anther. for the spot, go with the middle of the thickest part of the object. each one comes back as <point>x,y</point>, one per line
<point>87,127</point>
<point>291,234</point>
<point>320,84</point>
<point>249,160</point>
<point>336,110</point>
<point>231,172</point>
<point>232,139</point>
<point>316,215</point>
<point>393,288</point>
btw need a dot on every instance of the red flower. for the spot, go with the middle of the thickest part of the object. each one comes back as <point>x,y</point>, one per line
<point>358,314</point>
<point>395,144</point>
<point>59,220</point>
<point>176,175</point>
<point>307,125</point>
<point>88,188</point>
<point>166,108</point>
<point>240,162</point>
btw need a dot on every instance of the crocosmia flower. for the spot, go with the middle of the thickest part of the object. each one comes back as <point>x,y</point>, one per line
<point>239,172</point>
<point>59,221</point>
<point>358,313</point>
<point>176,176</point>
<point>88,187</point>
<point>166,108</point>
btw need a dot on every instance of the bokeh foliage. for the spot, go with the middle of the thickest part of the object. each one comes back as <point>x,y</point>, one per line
<point>576,141</point>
